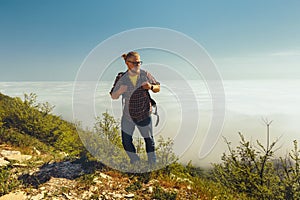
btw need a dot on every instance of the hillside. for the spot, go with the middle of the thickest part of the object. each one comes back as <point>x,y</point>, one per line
<point>36,179</point>
<point>57,166</point>
<point>29,123</point>
<point>42,157</point>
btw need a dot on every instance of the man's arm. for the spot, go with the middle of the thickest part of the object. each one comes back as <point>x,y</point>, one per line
<point>152,83</point>
<point>117,89</point>
<point>116,94</point>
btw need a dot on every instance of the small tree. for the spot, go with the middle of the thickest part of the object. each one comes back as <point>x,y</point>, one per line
<point>165,151</point>
<point>291,173</point>
<point>108,129</point>
<point>31,101</point>
<point>107,141</point>
<point>248,170</point>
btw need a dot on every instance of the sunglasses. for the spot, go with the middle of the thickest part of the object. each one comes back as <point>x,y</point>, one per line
<point>136,63</point>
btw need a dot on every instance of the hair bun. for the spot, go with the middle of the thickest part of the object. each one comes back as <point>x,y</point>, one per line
<point>124,56</point>
<point>130,54</point>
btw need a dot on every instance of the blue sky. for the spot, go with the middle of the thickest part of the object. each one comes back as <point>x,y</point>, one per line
<point>48,40</point>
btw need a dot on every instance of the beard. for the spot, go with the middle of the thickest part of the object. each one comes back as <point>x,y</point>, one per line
<point>135,70</point>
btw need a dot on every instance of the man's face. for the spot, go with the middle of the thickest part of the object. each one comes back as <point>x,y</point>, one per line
<point>134,64</point>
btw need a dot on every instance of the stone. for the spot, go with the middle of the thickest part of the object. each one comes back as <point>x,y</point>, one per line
<point>150,189</point>
<point>104,176</point>
<point>14,156</point>
<point>129,195</point>
<point>43,188</point>
<point>67,195</point>
<point>3,162</point>
<point>14,196</point>
<point>37,197</point>
<point>37,151</point>
<point>96,180</point>
<point>118,196</point>
<point>5,153</point>
<point>18,158</point>
<point>20,165</point>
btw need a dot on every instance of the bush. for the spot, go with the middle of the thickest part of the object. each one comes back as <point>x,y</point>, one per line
<point>164,151</point>
<point>30,118</point>
<point>250,171</point>
<point>14,138</point>
<point>161,194</point>
<point>104,142</point>
<point>7,182</point>
<point>290,173</point>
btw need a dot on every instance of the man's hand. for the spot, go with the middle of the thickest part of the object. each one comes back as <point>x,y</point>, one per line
<point>149,86</point>
<point>146,86</point>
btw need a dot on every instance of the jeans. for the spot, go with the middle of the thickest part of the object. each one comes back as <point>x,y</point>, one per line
<point>145,128</point>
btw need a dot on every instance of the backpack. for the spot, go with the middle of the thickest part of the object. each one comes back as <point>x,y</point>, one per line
<point>153,102</point>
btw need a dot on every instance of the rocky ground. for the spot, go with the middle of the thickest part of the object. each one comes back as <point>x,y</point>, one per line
<point>73,180</point>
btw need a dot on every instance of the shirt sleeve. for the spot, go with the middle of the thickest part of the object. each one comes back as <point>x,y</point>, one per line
<point>152,80</point>
<point>117,83</point>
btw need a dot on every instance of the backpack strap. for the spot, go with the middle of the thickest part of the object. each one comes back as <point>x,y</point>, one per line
<point>153,103</point>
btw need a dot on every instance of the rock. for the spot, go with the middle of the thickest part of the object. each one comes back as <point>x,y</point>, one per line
<point>118,196</point>
<point>67,195</point>
<point>37,197</point>
<point>14,156</point>
<point>105,176</point>
<point>150,189</point>
<point>129,196</point>
<point>42,188</point>
<point>96,180</point>
<point>18,158</point>
<point>39,162</point>
<point>3,162</point>
<point>14,196</point>
<point>5,153</point>
<point>20,165</point>
<point>37,151</point>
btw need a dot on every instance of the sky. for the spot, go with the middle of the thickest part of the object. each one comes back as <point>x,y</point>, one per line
<point>49,40</point>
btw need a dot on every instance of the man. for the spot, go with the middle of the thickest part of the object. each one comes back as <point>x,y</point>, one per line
<point>134,85</point>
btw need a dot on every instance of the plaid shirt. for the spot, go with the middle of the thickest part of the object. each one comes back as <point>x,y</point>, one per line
<point>136,100</point>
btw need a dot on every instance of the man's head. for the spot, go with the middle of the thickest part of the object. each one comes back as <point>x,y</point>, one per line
<point>133,61</point>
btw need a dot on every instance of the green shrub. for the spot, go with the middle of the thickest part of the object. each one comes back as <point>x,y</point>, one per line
<point>164,152</point>
<point>7,182</point>
<point>290,173</point>
<point>160,194</point>
<point>14,138</point>
<point>250,171</point>
<point>137,185</point>
<point>104,142</point>
<point>35,119</point>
